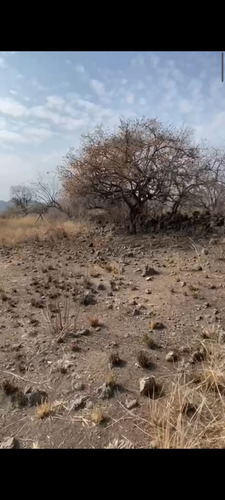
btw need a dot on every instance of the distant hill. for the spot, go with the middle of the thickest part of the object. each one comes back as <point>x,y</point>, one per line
<point>4,205</point>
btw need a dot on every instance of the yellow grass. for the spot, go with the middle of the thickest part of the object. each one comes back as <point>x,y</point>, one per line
<point>20,229</point>
<point>191,412</point>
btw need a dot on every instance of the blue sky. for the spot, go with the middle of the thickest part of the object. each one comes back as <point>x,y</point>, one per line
<point>47,99</point>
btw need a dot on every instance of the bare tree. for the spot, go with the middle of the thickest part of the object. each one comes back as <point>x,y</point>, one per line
<point>21,197</point>
<point>47,195</point>
<point>134,165</point>
<point>209,194</point>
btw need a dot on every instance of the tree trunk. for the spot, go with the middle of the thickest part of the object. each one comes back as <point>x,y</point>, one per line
<point>134,211</point>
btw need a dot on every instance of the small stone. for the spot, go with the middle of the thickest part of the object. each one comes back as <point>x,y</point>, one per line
<point>197,267</point>
<point>148,386</point>
<point>171,356</point>
<point>153,445</point>
<point>149,271</point>
<point>136,312</point>
<point>34,398</point>
<point>84,332</point>
<point>89,405</point>
<point>78,402</point>
<point>9,444</point>
<point>79,386</point>
<point>88,299</point>
<point>101,286</point>
<point>106,391</point>
<point>131,403</point>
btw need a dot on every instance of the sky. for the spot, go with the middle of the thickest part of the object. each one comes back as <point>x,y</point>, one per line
<point>48,99</point>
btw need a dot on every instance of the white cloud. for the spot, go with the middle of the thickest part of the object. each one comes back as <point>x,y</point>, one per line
<point>55,101</point>
<point>10,106</point>
<point>2,63</point>
<point>129,98</point>
<point>185,106</point>
<point>45,113</point>
<point>98,87</point>
<point>142,101</point>
<point>138,60</point>
<point>79,68</point>
<point>37,85</point>
<point>13,92</point>
<point>31,135</point>
<point>140,85</point>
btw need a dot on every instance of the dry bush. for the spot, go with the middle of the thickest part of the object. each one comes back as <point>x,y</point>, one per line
<point>20,229</point>
<point>60,323</point>
<point>97,416</point>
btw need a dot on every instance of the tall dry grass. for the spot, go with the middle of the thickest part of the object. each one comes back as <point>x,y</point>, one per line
<point>191,414</point>
<point>20,229</point>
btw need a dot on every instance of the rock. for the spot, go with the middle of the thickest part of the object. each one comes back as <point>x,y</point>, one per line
<point>79,386</point>
<point>84,331</point>
<point>101,286</point>
<point>9,444</point>
<point>198,355</point>
<point>148,386</point>
<point>78,403</point>
<point>197,267</point>
<point>89,405</point>
<point>149,271</point>
<point>184,349</point>
<point>106,391</point>
<point>132,302</point>
<point>61,365</point>
<point>213,241</point>
<point>153,445</point>
<point>136,312</point>
<point>131,403</point>
<point>34,397</point>
<point>171,356</point>
<point>88,299</point>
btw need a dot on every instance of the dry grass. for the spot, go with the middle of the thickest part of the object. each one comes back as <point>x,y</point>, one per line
<point>149,341</point>
<point>192,412</point>
<point>48,409</point>
<point>97,416</point>
<point>19,229</point>
<point>95,271</point>
<point>111,380</point>
<point>144,359</point>
<point>112,267</point>
<point>95,321</point>
<point>60,322</point>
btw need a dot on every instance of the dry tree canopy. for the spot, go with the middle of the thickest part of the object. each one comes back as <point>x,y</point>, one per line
<point>142,161</point>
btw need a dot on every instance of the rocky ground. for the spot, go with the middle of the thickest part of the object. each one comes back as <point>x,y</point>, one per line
<point>101,337</point>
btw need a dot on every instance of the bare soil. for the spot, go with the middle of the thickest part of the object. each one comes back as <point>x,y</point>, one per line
<point>53,340</point>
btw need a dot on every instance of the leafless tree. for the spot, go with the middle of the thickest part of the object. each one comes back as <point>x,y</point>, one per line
<point>47,195</point>
<point>21,197</point>
<point>209,194</point>
<point>140,162</point>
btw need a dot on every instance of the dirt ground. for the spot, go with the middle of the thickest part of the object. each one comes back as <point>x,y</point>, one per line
<point>83,320</point>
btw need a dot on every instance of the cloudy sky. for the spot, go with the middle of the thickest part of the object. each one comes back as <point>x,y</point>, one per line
<point>47,99</point>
